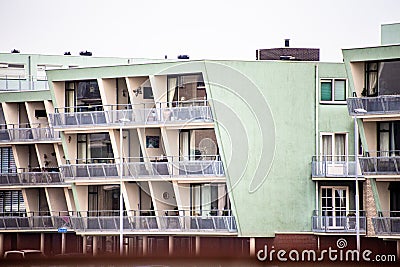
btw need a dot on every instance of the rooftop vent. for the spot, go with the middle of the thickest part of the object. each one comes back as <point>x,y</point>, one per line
<point>85,53</point>
<point>15,51</point>
<point>67,53</point>
<point>287,42</point>
<point>183,57</point>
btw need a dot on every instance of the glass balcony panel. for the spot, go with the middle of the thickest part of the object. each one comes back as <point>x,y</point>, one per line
<point>383,165</point>
<point>130,115</point>
<point>338,224</point>
<point>387,224</point>
<point>381,105</point>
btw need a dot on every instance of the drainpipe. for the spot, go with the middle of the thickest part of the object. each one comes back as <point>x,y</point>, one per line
<point>316,123</point>
<point>29,73</point>
<point>316,110</point>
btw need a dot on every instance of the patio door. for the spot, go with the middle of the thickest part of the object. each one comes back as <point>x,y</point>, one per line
<point>333,154</point>
<point>334,206</point>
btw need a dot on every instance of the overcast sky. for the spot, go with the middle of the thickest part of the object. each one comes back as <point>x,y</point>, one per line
<point>206,29</point>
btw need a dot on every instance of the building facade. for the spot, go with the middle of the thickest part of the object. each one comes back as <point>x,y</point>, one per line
<point>203,157</point>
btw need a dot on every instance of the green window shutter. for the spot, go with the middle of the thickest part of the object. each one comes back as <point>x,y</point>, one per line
<point>326,91</point>
<point>340,90</point>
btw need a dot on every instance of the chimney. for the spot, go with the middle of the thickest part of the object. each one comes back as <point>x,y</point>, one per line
<point>287,42</point>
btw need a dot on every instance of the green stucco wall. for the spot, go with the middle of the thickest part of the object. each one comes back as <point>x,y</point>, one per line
<point>390,34</point>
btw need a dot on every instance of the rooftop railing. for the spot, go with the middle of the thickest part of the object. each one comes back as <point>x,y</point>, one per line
<point>23,83</point>
<point>130,115</point>
<point>138,168</point>
<point>27,133</point>
<point>108,221</point>
<point>380,105</point>
<point>387,223</point>
<point>337,221</point>
<point>27,177</point>
<point>384,163</point>
<point>333,166</point>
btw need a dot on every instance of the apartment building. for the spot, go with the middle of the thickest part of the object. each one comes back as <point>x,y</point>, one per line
<point>202,157</point>
<point>374,81</point>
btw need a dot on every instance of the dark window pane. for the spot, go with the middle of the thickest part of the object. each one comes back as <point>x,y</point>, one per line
<point>326,91</point>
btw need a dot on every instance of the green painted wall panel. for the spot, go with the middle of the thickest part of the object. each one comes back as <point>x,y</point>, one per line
<point>390,34</point>
<point>286,90</point>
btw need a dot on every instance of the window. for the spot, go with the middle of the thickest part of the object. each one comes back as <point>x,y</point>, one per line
<point>189,87</point>
<point>209,199</point>
<point>371,78</point>
<point>334,146</point>
<point>382,78</point>
<point>388,138</point>
<point>198,144</point>
<point>94,147</point>
<point>85,94</point>
<point>334,204</point>
<point>11,202</point>
<point>333,90</point>
<point>93,199</point>
<point>7,160</point>
<point>147,93</point>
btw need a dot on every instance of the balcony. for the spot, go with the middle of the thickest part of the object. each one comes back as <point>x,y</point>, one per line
<point>387,224</point>
<point>344,223</point>
<point>34,221</point>
<point>23,177</point>
<point>387,163</point>
<point>130,115</point>
<point>333,166</point>
<point>21,83</point>
<point>25,133</point>
<point>139,168</point>
<point>133,221</point>
<point>380,105</point>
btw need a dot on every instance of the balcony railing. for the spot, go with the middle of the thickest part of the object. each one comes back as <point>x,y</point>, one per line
<point>388,223</point>
<point>381,105</point>
<point>333,166</point>
<point>22,83</point>
<point>134,168</point>
<point>171,221</point>
<point>23,177</point>
<point>344,222</point>
<point>25,133</point>
<point>101,221</point>
<point>34,221</point>
<point>386,163</point>
<point>129,115</point>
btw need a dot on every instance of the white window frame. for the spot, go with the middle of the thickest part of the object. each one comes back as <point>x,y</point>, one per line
<point>333,134</point>
<point>332,81</point>
<point>333,225</point>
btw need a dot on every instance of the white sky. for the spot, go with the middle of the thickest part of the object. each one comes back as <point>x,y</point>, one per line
<point>206,29</point>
